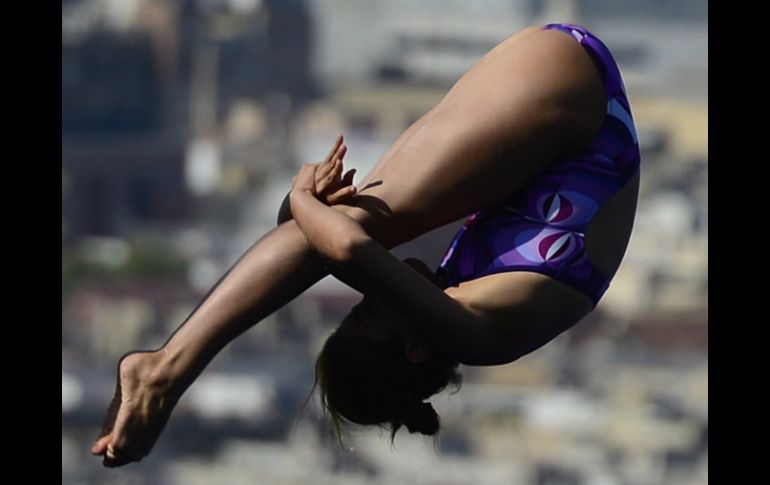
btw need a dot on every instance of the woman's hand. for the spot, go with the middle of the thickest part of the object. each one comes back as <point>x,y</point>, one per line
<point>304,181</point>
<point>331,187</point>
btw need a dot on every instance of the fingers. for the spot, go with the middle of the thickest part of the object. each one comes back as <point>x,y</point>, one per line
<point>337,153</point>
<point>335,148</point>
<point>323,169</point>
<point>342,194</point>
<point>346,188</point>
<point>341,152</point>
<point>328,174</point>
<point>335,172</point>
<point>330,163</point>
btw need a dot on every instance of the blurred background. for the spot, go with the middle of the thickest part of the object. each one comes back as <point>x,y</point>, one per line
<point>183,122</point>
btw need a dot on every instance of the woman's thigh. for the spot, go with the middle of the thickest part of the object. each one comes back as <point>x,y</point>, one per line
<point>532,101</point>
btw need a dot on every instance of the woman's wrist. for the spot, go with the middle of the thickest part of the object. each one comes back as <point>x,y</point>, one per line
<point>299,198</point>
<point>301,192</point>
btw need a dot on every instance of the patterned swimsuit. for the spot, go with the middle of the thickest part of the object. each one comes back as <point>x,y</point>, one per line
<point>542,228</point>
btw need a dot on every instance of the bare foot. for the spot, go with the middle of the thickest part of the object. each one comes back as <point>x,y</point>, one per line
<point>138,412</point>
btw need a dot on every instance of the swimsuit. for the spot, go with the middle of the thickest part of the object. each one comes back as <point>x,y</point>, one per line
<point>542,227</point>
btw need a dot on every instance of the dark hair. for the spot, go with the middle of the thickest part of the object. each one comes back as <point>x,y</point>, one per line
<point>371,382</point>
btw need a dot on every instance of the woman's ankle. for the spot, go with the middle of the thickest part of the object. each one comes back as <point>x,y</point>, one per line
<point>170,371</point>
<point>151,370</point>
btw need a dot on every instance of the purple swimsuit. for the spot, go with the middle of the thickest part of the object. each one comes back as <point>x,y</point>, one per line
<point>542,228</point>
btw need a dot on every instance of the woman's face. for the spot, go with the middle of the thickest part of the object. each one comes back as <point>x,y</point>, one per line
<point>376,319</point>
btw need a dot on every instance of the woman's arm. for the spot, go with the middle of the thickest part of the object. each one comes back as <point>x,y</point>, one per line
<point>448,324</point>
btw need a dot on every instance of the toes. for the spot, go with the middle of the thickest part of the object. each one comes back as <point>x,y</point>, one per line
<point>111,452</point>
<point>115,457</point>
<point>100,447</point>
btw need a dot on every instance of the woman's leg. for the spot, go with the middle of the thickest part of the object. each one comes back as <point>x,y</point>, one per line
<point>279,267</point>
<point>534,100</point>
<point>276,269</point>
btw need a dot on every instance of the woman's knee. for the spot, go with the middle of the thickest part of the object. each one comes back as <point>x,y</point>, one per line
<point>378,220</point>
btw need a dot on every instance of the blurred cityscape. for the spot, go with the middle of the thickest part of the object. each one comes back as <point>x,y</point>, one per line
<point>183,122</point>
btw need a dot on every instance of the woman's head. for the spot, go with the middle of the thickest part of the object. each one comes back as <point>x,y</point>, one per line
<point>374,370</point>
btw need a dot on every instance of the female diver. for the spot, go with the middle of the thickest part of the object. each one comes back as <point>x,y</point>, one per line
<point>535,143</point>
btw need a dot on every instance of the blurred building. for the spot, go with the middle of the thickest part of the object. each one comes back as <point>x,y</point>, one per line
<point>146,83</point>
